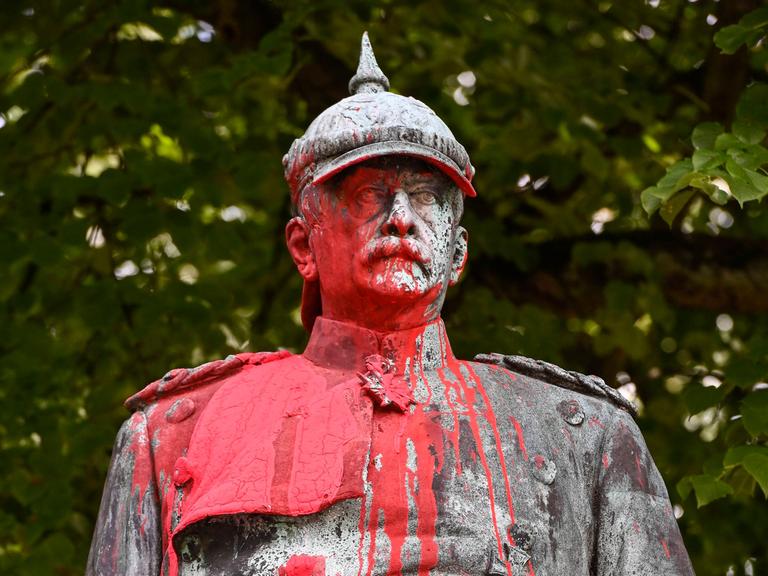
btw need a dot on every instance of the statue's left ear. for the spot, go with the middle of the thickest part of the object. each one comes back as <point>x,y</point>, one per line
<point>460,253</point>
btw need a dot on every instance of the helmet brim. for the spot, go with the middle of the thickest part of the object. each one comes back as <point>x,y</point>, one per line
<point>462,178</point>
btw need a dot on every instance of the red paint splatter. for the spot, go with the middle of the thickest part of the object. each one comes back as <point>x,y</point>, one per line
<point>606,460</point>
<point>595,421</point>
<point>303,566</point>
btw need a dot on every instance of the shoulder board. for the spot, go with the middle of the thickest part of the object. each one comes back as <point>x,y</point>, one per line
<point>552,374</point>
<point>185,378</point>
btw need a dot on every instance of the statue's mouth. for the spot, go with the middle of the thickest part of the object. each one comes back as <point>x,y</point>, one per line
<point>396,247</point>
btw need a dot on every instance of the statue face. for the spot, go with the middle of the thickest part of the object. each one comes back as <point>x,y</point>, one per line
<point>385,242</point>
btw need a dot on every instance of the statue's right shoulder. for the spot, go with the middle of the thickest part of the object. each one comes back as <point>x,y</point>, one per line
<point>188,379</point>
<point>588,385</point>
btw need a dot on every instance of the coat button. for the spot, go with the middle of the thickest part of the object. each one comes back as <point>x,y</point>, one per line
<point>520,536</point>
<point>181,472</point>
<point>571,412</point>
<point>180,410</point>
<point>544,470</point>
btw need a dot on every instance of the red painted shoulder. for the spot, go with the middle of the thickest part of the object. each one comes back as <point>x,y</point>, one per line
<point>173,404</point>
<point>182,379</point>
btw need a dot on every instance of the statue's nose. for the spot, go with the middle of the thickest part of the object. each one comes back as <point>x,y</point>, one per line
<point>400,220</point>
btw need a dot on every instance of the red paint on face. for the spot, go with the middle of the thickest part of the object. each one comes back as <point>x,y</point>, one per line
<point>384,243</point>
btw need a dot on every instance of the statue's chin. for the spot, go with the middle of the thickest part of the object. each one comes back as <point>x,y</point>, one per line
<point>403,289</point>
<point>398,278</point>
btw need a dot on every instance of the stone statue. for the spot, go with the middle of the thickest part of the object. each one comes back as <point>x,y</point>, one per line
<point>376,451</point>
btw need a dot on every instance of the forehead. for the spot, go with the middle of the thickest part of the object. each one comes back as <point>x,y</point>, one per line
<point>391,169</point>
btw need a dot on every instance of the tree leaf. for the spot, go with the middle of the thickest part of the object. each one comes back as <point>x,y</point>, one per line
<point>748,132</point>
<point>651,199</point>
<point>737,454</point>
<point>677,177</point>
<point>705,159</point>
<point>753,105</point>
<point>754,411</point>
<point>756,18</point>
<point>705,134</point>
<point>674,205</point>
<point>726,141</point>
<point>757,466</point>
<point>706,487</point>
<point>731,38</point>
<point>741,183</point>
<point>698,397</point>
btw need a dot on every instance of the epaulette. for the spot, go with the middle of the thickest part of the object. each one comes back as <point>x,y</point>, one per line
<point>552,374</point>
<point>185,378</point>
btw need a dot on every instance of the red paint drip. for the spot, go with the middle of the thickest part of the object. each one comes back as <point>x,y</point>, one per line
<point>491,416</point>
<point>469,395</point>
<point>640,478</point>
<point>425,497</point>
<point>452,386</point>
<point>392,485</point>
<point>520,438</point>
<point>143,472</point>
<point>666,548</point>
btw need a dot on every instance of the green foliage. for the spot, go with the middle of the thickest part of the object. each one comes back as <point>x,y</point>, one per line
<point>142,209</point>
<point>749,31</point>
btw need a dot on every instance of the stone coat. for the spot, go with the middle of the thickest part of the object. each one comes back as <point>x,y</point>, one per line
<point>283,464</point>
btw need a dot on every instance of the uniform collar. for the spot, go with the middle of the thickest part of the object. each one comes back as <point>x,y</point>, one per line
<point>341,345</point>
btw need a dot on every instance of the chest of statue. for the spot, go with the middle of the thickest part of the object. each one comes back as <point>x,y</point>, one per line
<point>450,487</point>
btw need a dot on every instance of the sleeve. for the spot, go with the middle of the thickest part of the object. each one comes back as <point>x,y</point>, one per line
<point>127,537</point>
<point>637,530</point>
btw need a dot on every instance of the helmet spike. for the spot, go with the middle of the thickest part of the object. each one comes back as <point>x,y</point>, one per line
<point>369,77</point>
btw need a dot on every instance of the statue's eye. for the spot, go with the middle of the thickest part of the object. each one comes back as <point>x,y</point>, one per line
<point>424,197</point>
<point>367,196</point>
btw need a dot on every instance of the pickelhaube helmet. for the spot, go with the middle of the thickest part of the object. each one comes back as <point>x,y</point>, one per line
<point>374,122</point>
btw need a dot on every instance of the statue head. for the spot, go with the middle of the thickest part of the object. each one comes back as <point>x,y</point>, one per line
<point>378,183</point>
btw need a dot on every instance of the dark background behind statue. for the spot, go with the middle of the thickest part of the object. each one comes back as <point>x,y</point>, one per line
<point>143,207</point>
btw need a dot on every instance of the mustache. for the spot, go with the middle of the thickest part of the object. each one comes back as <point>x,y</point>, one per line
<point>390,246</point>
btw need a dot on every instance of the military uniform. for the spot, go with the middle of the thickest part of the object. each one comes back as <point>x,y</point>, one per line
<point>381,453</point>
<point>289,464</point>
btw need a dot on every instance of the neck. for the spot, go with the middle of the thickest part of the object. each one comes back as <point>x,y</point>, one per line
<point>345,345</point>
